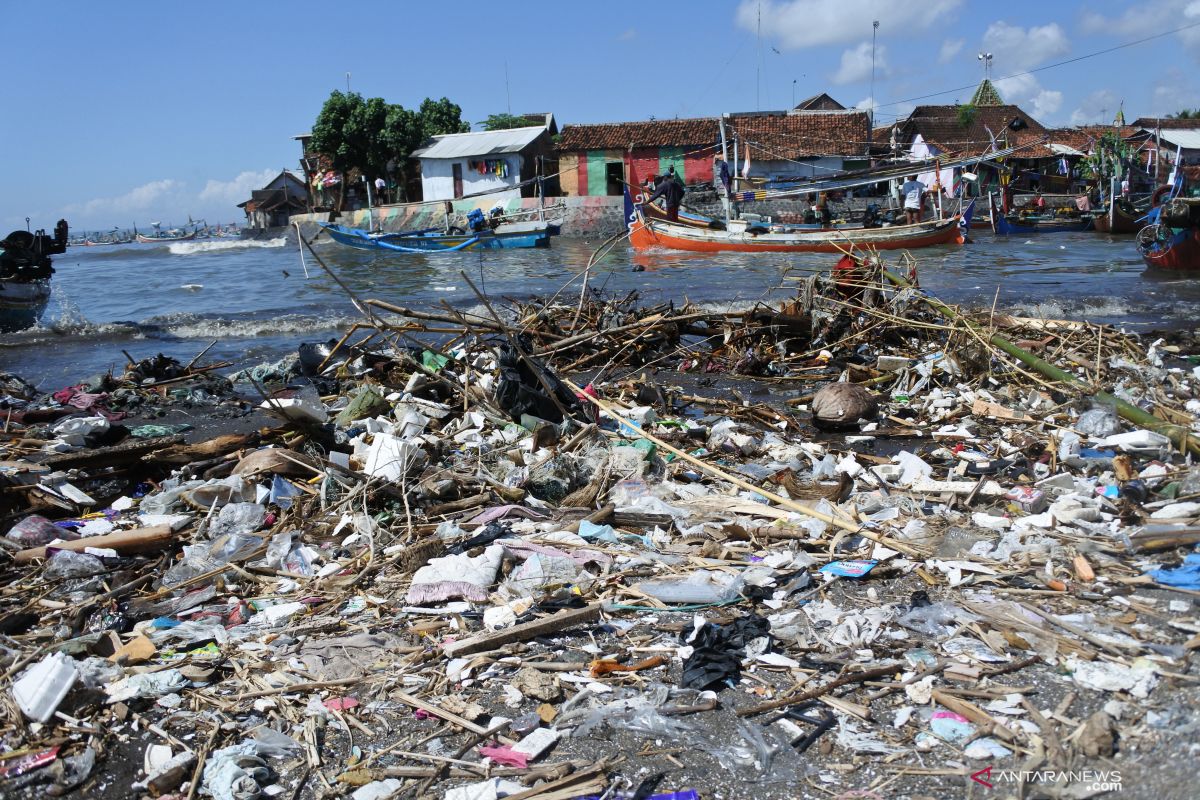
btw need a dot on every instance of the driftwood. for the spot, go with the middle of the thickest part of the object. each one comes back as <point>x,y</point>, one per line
<point>114,455</point>
<point>138,540</point>
<point>523,632</point>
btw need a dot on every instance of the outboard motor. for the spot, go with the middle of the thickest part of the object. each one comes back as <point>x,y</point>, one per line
<point>475,220</point>
<point>60,237</point>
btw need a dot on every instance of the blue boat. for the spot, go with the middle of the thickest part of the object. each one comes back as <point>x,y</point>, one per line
<point>436,240</point>
<point>1009,224</point>
<point>1039,223</point>
<point>25,272</point>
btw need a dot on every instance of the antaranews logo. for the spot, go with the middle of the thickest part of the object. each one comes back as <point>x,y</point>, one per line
<point>1094,780</point>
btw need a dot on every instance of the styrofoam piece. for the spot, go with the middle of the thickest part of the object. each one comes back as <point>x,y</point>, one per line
<point>42,687</point>
<point>389,457</point>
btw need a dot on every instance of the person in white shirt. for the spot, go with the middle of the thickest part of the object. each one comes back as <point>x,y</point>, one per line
<point>380,190</point>
<point>913,192</point>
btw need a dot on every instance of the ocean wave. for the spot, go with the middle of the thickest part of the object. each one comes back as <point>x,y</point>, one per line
<point>191,248</point>
<point>193,326</point>
<point>1084,308</point>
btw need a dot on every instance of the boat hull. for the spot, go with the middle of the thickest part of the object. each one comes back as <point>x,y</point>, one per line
<point>535,235</point>
<point>1178,253</point>
<point>159,239</point>
<point>645,234</point>
<point>1005,226</point>
<point>1122,221</point>
<point>22,304</point>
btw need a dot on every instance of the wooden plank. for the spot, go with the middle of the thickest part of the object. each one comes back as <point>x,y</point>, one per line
<point>523,632</point>
<point>124,453</point>
<point>138,540</point>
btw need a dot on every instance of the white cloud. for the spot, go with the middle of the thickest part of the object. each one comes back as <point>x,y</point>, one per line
<point>232,192</point>
<point>950,48</point>
<point>627,35</point>
<point>141,198</point>
<point>1172,93</point>
<point>170,201</point>
<point>1145,19</point>
<point>1016,49</point>
<point>805,23</point>
<point>1027,92</point>
<point>856,64</point>
<point>1098,108</point>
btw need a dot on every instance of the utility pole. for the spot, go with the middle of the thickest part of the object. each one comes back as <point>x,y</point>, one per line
<point>725,159</point>
<point>874,30</point>
<point>507,93</point>
<point>758,67</point>
<point>793,94</point>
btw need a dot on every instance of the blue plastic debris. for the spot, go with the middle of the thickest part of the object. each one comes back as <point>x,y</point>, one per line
<point>1185,576</point>
<point>855,568</point>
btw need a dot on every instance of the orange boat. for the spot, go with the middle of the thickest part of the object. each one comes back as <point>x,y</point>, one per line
<point>646,233</point>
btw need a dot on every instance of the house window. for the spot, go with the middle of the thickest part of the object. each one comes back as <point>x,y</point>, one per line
<point>614,178</point>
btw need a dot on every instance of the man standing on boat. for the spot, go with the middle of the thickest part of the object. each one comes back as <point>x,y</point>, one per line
<point>913,192</point>
<point>671,190</point>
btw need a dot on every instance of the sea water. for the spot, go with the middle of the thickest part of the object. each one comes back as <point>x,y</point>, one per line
<point>255,300</point>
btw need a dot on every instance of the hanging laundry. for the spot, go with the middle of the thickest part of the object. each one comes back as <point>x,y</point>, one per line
<point>489,166</point>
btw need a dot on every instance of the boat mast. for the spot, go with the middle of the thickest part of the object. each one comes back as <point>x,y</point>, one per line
<point>725,160</point>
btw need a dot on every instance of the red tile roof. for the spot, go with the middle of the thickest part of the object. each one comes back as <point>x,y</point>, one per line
<point>805,134</point>
<point>1165,123</point>
<point>783,135</point>
<point>651,133</point>
<point>940,126</point>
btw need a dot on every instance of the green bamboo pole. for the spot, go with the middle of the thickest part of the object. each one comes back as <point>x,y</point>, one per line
<point>1181,437</point>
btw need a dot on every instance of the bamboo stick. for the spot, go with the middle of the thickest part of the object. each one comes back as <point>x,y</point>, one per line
<point>718,473</point>
<point>1181,437</point>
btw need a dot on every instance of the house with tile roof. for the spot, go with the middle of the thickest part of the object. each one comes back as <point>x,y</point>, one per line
<point>500,162</point>
<point>1047,159</point>
<point>270,206</point>
<point>598,159</point>
<point>1160,141</point>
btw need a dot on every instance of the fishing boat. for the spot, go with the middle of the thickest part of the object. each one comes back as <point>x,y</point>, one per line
<point>1009,224</point>
<point>1172,241</point>
<point>166,237</point>
<point>1123,217</point>
<point>437,240</point>
<point>740,236</point>
<point>25,272</point>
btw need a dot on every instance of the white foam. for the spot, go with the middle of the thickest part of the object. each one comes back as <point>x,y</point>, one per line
<point>191,248</point>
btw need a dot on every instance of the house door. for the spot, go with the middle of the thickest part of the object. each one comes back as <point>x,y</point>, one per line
<point>614,175</point>
<point>458,190</point>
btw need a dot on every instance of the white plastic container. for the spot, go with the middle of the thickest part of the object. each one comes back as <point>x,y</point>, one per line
<point>42,687</point>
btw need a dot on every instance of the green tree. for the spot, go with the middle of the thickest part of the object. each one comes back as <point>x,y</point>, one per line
<point>441,116</point>
<point>1193,113</point>
<point>329,134</point>
<point>367,135</point>
<point>500,122</point>
<point>966,114</point>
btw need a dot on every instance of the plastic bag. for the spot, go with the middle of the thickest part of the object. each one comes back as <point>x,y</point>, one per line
<point>702,586</point>
<point>1100,422</point>
<point>198,559</point>
<point>238,518</point>
<point>66,564</point>
<point>36,531</point>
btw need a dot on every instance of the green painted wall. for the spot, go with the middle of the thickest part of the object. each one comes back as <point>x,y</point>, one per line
<point>671,157</point>
<point>597,179</point>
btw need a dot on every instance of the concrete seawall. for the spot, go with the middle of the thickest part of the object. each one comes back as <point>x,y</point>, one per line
<point>580,216</point>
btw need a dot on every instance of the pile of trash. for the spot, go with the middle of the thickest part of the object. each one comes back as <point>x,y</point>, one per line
<point>907,557</point>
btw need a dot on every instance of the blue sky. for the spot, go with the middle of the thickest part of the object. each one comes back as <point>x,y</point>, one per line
<point>116,113</point>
